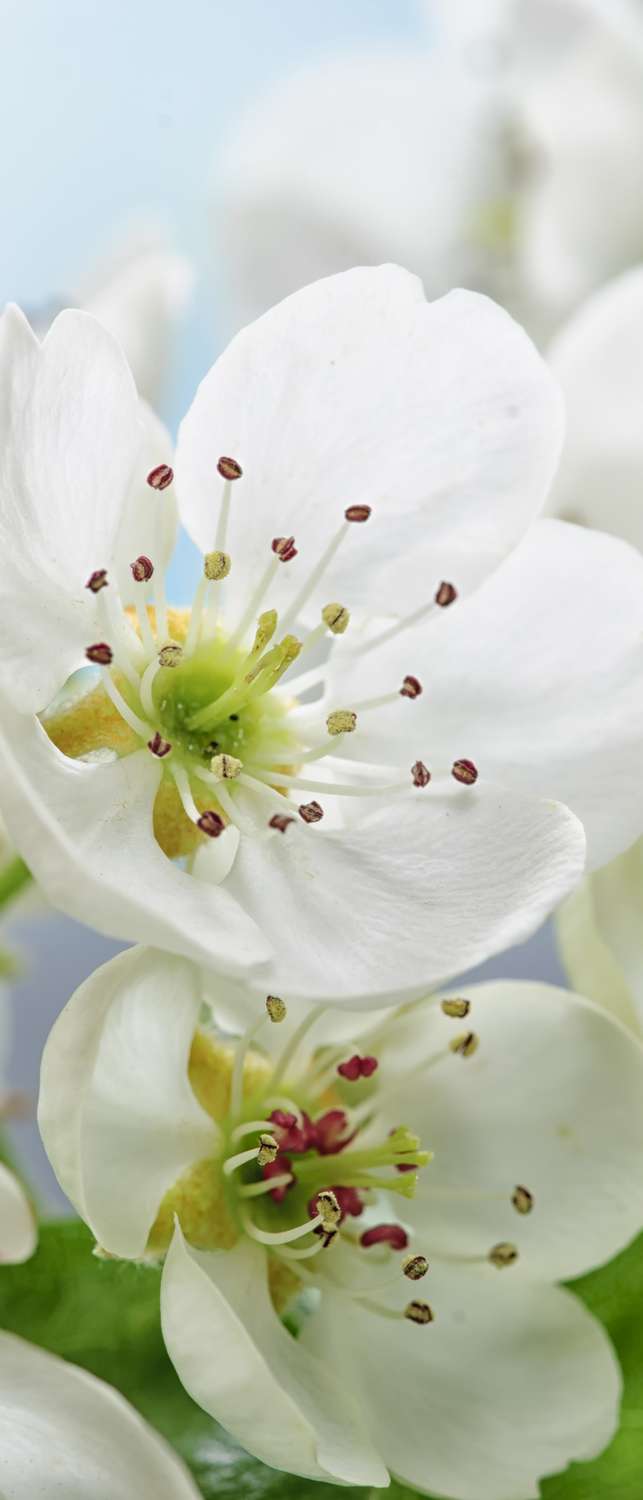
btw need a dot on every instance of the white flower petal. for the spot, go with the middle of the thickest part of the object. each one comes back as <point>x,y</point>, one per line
<point>139,299</point>
<point>598,358</point>
<point>18,1233</point>
<point>275,1398</point>
<point>552,1100</point>
<point>537,680</point>
<point>599,936</point>
<point>117,1115</point>
<point>441,416</point>
<point>64,1435</point>
<point>86,834</point>
<point>71,435</point>
<point>510,1383</point>
<point>150,520</point>
<point>422,890</point>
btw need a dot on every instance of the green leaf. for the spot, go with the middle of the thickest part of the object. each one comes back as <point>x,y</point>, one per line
<point>104,1315</point>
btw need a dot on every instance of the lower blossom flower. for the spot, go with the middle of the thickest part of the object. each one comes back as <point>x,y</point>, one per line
<point>18,1233</point>
<point>361,1234</point>
<point>63,1433</point>
<point>358,455</point>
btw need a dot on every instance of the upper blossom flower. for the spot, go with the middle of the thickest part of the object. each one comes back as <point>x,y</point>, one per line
<point>406,1195</point>
<point>356,450</point>
<point>65,1433</point>
<point>506,155</point>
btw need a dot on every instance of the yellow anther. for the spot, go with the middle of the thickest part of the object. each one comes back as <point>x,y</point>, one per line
<point>336,617</point>
<point>458,1009</point>
<point>216,565</point>
<point>266,627</point>
<point>522,1199</point>
<point>171,655</point>
<point>291,648</point>
<point>328,1208</point>
<point>418,1312</point>
<point>276,1008</point>
<point>465,1044</point>
<point>268,1150</point>
<point>225,767</point>
<point>341,721</point>
<point>503,1254</point>
<point>415,1267</point>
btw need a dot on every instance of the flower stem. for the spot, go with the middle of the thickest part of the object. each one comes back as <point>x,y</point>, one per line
<point>13,878</point>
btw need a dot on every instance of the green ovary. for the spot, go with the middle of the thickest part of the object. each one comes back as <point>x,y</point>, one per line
<point>179,693</point>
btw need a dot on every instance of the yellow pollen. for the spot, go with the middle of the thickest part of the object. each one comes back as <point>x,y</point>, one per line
<point>418,1312</point>
<point>171,655</point>
<point>503,1254</point>
<point>465,1044</point>
<point>225,767</point>
<point>276,1008</point>
<point>456,1008</point>
<point>216,565</point>
<point>341,721</point>
<point>336,617</point>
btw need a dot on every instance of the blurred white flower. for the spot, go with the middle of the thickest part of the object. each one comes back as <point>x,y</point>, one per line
<point>18,1232</point>
<point>508,157</point>
<point>63,1433</point>
<point>598,358</point>
<point>354,394</point>
<point>275,1175</point>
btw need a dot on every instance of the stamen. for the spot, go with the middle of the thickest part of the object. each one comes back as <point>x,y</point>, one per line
<point>280,1237</point>
<point>269,1185</point>
<point>268,1149</point>
<point>464,771</point>
<point>276,1008</point>
<point>225,767</point>
<point>311,812</point>
<point>142,569</point>
<point>446,595</point>
<point>145,731</point>
<point>216,565</point>
<point>456,1008</point>
<point>229,468</point>
<point>328,1208</point>
<point>97,580</point>
<point>160,477</point>
<point>415,1267</point>
<point>101,654</point>
<point>411,687</point>
<point>284,548</point>
<point>357,1067</point>
<point>503,1254</point>
<point>250,1127</point>
<point>465,1044</point>
<point>522,1199</point>
<point>385,1234</point>
<point>341,721</point>
<point>419,1312</point>
<point>284,1060</point>
<point>241,1158</point>
<point>317,573</point>
<point>306,1254</point>
<point>280,822</point>
<point>159,746</point>
<point>420,774</point>
<point>336,617</point>
<point>261,590</point>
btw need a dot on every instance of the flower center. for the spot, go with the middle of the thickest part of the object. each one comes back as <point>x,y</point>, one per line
<point>208,701</point>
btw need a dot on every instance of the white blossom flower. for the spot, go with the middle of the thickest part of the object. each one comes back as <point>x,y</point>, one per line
<point>352,397</point>
<point>18,1233</point>
<point>506,156</point>
<point>598,358</point>
<point>64,1435</point>
<point>408,1195</point>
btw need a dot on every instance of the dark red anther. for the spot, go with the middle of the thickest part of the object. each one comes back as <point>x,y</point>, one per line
<point>411,688</point>
<point>211,823</point>
<point>229,468</point>
<point>101,654</point>
<point>385,1234</point>
<point>292,1134</point>
<point>160,477</point>
<point>464,771</point>
<point>97,581</point>
<point>332,1134</point>
<point>280,822</point>
<point>420,774</point>
<point>406,1166</point>
<point>350,1202</point>
<point>284,547</point>
<point>159,746</point>
<point>142,569</point>
<point>278,1168</point>
<point>311,812</point>
<point>446,595</point>
<point>357,1067</point>
<point>357,513</point>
